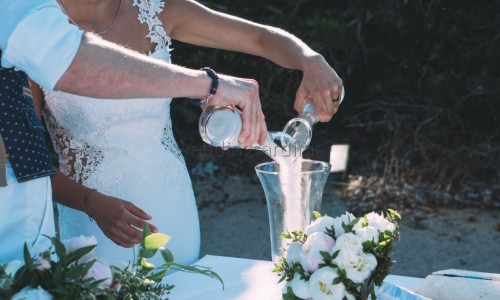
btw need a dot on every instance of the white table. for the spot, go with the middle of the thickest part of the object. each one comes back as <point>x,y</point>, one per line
<point>244,279</point>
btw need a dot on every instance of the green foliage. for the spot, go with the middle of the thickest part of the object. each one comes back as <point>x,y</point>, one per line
<point>295,236</point>
<point>65,280</point>
<point>316,215</point>
<point>287,270</point>
<point>289,295</point>
<point>144,280</point>
<point>67,277</point>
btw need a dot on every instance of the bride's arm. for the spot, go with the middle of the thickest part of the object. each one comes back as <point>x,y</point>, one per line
<point>193,23</point>
<point>114,216</point>
<point>118,219</point>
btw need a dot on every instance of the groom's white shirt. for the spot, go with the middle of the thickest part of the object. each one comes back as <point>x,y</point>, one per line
<point>36,37</point>
<point>27,215</point>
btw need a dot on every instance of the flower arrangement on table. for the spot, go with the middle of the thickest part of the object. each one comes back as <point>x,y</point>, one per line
<point>339,258</point>
<point>77,274</point>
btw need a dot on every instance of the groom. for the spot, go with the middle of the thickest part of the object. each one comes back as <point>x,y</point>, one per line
<point>26,168</point>
<point>25,180</point>
<point>80,63</point>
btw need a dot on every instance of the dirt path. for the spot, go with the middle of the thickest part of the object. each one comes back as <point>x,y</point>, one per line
<point>234,223</point>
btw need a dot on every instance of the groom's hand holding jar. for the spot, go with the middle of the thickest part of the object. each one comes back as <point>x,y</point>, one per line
<point>243,93</point>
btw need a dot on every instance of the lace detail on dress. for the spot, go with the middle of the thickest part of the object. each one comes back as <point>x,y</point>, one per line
<point>77,159</point>
<point>170,144</point>
<point>148,13</point>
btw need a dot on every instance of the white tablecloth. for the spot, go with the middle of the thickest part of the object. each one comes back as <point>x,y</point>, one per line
<point>244,279</point>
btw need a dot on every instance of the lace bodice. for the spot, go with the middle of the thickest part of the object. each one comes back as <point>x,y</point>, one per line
<point>93,136</point>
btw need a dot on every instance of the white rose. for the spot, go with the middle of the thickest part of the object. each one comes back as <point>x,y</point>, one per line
<point>349,241</point>
<point>358,266</point>
<point>12,267</point>
<point>366,233</point>
<point>293,252</point>
<point>42,264</point>
<point>73,244</point>
<point>300,287</point>
<point>379,222</point>
<point>319,225</point>
<point>101,270</point>
<point>321,287</point>
<point>31,293</point>
<point>337,223</point>
<point>310,256</point>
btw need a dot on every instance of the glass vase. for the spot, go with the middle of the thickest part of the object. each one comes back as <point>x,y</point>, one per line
<point>292,192</point>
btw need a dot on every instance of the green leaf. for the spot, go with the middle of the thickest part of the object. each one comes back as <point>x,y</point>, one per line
<point>289,295</point>
<point>147,253</point>
<point>167,255</point>
<point>194,269</point>
<point>283,277</point>
<point>368,245</point>
<point>346,228</point>
<point>326,256</point>
<point>394,213</point>
<point>59,247</point>
<point>79,253</point>
<point>342,272</point>
<point>78,271</point>
<point>335,254</point>
<point>145,264</point>
<point>157,277</point>
<point>316,215</point>
<point>354,222</point>
<point>146,230</point>
<point>365,221</point>
<point>156,240</point>
<point>27,257</point>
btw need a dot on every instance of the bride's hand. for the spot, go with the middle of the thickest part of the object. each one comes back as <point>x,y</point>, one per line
<point>243,93</point>
<point>120,220</point>
<point>320,83</point>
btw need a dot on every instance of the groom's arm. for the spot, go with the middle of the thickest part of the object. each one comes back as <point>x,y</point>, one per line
<point>103,69</point>
<point>37,38</point>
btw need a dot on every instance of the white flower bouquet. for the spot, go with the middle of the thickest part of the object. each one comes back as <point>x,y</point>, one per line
<point>338,258</point>
<point>77,274</point>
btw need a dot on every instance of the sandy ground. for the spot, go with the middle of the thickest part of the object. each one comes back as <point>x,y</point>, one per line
<point>234,222</point>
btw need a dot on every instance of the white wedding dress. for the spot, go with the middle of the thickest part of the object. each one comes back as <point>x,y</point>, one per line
<point>126,149</point>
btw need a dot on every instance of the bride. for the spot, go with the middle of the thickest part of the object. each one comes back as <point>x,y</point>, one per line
<point>126,148</point>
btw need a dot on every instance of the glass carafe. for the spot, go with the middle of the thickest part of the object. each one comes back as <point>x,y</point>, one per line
<point>220,126</point>
<point>292,192</point>
<point>300,129</point>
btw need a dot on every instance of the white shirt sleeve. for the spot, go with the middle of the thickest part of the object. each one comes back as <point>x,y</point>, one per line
<point>43,44</point>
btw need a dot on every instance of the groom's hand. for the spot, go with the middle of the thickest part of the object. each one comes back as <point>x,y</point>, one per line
<point>244,93</point>
<point>120,220</point>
